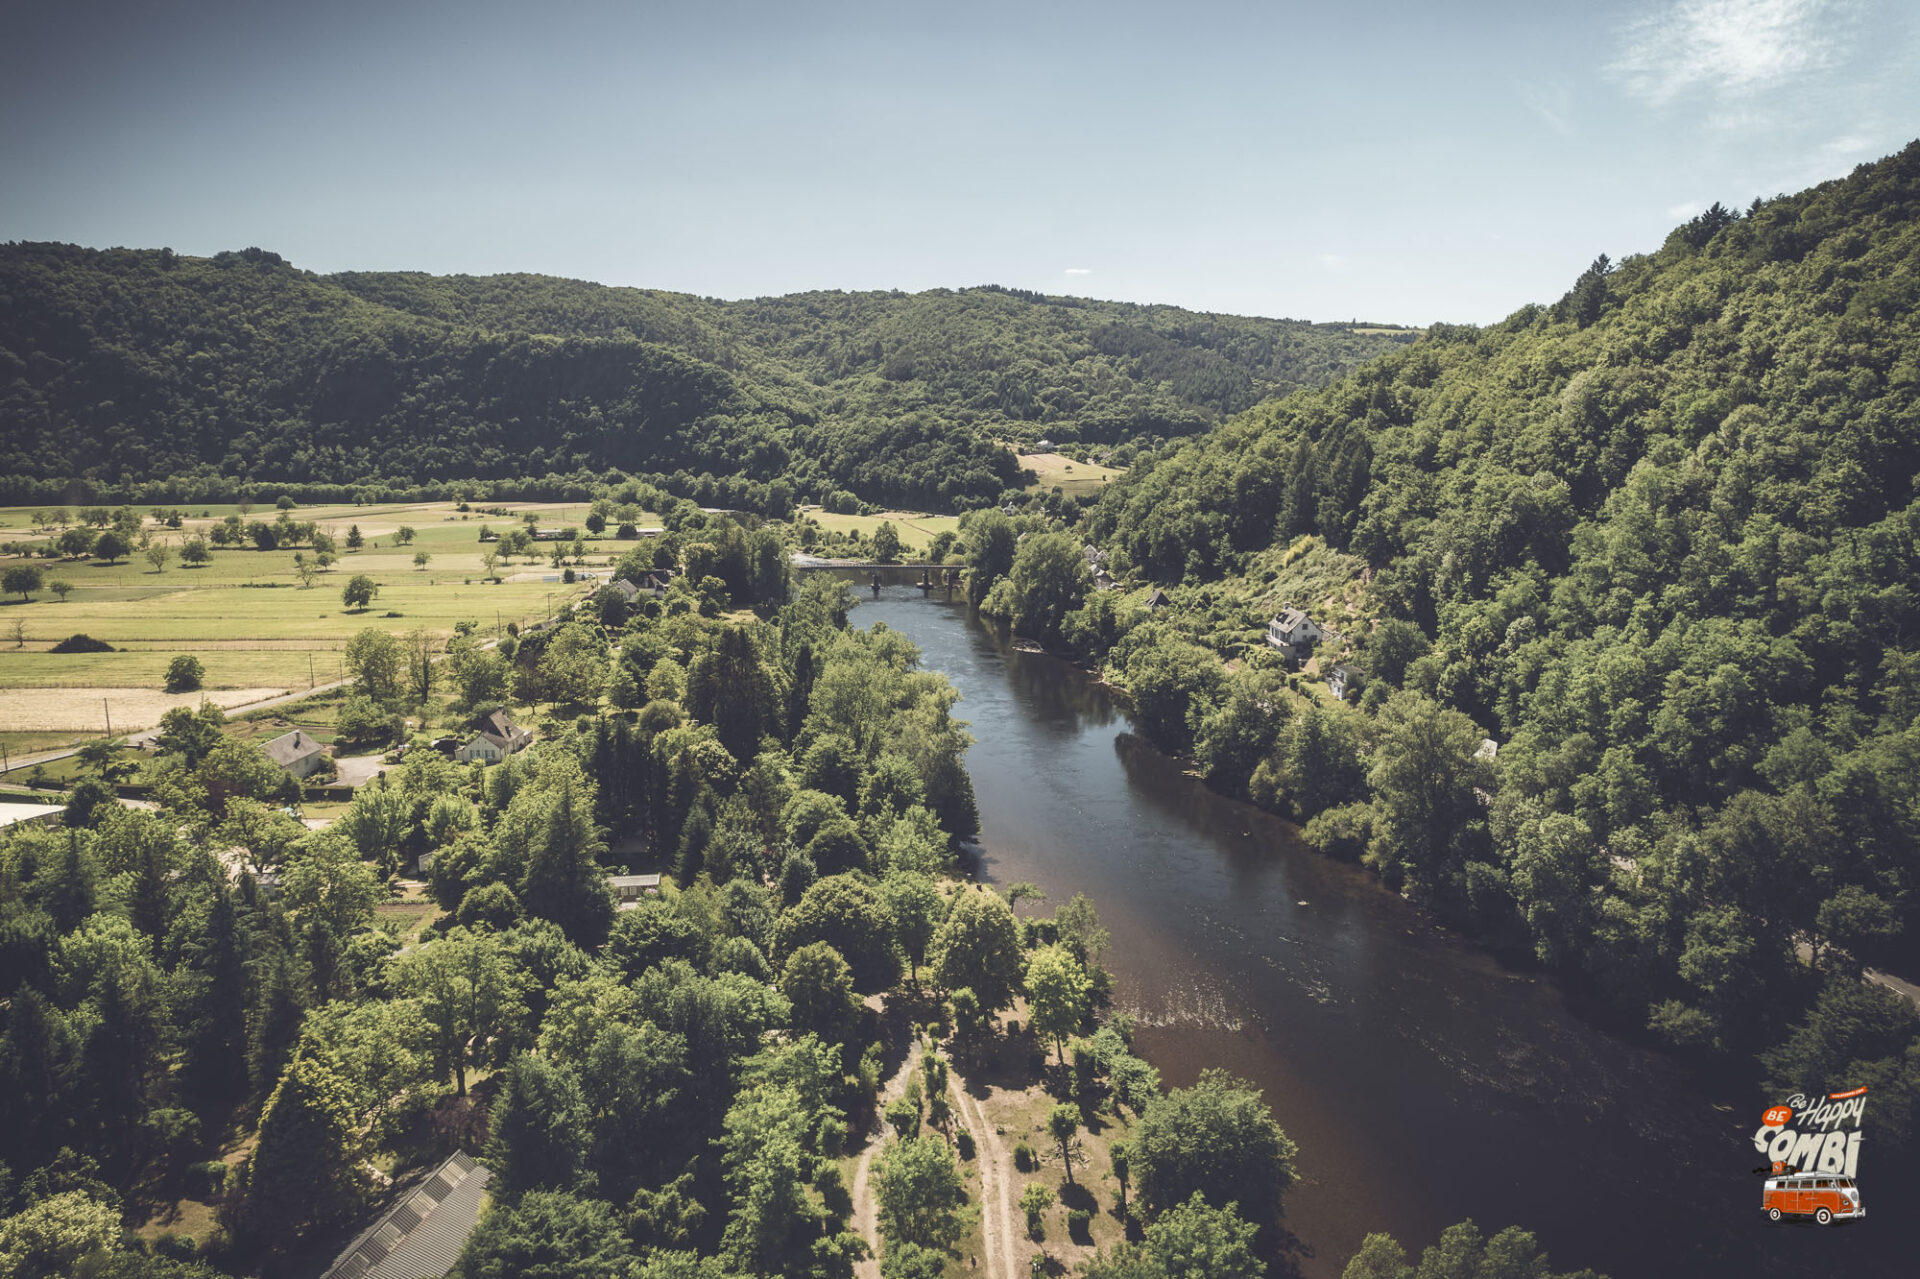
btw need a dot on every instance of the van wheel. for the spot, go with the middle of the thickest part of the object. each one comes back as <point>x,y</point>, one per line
<point>1824,1217</point>
<point>1773,1214</point>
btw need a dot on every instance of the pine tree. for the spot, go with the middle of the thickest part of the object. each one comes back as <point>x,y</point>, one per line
<point>215,1033</point>
<point>563,881</point>
<point>303,1171</point>
<point>277,1011</point>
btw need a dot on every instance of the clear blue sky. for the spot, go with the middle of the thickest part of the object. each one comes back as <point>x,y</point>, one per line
<point>1403,162</point>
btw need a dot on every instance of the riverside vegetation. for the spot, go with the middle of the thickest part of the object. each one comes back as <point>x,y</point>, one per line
<point>1658,541</point>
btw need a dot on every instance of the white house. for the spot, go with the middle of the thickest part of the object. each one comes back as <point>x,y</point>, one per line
<point>296,752</point>
<point>497,738</point>
<point>1340,679</point>
<point>1294,633</point>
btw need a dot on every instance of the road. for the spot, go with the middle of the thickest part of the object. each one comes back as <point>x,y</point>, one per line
<point>146,738</point>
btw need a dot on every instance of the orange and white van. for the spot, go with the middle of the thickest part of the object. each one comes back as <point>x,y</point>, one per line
<point>1822,1196</point>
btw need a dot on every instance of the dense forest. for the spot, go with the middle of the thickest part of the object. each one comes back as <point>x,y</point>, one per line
<point>1660,542</point>
<point>123,367</point>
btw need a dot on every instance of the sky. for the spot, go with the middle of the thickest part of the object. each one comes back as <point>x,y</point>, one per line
<point>1393,162</point>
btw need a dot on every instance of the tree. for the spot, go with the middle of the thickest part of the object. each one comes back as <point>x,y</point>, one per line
<point>563,881</point>
<point>1461,1250</point>
<point>1218,1139</point>
<point>538,1136</point>
<point>76,542</point>
<point>184,673</point>
<point>849,916</point>
<point>421,559</point>
<point>819,985</point>
<point>355,540</point>
<point>61,587</point>
<point>919,1194</point>
<point>1049,578</point>
<point>886,542</point>
<point>191,734</point>
<point>374,660</point>
<point>573,666</point>
<point>468,994</point>
<point>1063,1122</point>
<point>1058,992</point>
<point>1034,1200</point>
<point>917,907</point>
<point>55,1235</point>
<point>157,555</point>
<point>360,589</point>
<point>490,559</point>
<point>22,580</point>
<point>112,546</point>
<point>403,535</point>
<point>991,543</point>
<point>547,1235</point>
<point>1120,1153</point>
<point>1422,778</point>
<point>1195,1240</point>
<point>978,946</point>
<point>304,1171</point>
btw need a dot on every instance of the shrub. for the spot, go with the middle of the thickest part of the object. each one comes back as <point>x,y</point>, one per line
<point>964,1141</point>
<point>184,673</point>
<point>1023,1157</point>
<point>83,644</point>
<point>1080,1225</point>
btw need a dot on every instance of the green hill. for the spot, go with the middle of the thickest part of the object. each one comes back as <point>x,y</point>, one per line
<point>1661,540</point>
<point>120,367</point>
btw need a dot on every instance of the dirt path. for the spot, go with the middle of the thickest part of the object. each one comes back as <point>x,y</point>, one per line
<point>1002,1228</point>
<point>866,1209</point>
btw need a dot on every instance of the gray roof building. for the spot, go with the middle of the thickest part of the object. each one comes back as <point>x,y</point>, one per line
<point>296,752</point>
<point>423,1235</point>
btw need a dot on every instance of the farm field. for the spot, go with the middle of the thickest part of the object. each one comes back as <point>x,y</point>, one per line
<point>915,530</point>
<point>1075,479</point>
<point>257,630</point>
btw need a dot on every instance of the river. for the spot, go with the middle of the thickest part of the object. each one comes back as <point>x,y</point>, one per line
<point>1424,1081</point>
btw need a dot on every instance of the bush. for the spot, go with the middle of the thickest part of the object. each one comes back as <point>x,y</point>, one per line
<point>184,673</point>
<point>1023,1157</point>
<point>1080,1225</point>
<point>963,1140</point>
<point>83,644</point>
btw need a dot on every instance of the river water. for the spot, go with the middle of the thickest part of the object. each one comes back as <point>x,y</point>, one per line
<point>1424,1082</point>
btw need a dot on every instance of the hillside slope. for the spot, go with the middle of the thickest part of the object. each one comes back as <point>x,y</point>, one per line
<point>1661,540</point>
<point>124,366</point>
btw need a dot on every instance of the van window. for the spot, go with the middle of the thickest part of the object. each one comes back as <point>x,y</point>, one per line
<point>1846,1183</point>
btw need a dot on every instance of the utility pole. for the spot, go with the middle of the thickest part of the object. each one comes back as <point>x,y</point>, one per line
<point>108,712</point>
<point>310,680</point>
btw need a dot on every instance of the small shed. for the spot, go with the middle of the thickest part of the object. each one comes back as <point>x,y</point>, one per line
<point>629,889</point>
<point>297,752</point>
<point>16,815</point>
<point>1157,600</point>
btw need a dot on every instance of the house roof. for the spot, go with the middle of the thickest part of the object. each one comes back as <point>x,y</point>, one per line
<point>1344,671</point>
<point>498,724</point>
<point>625,587</point>
<point>1157,598</point>
<point>634,881</point>
<point>422,1236</point>
<point>1289,618</point>
<point>291,747</point>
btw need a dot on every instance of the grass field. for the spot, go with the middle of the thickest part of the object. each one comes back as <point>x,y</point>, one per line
<point>915,531</point>
<point>1073,478</point>
<point>246,616</point>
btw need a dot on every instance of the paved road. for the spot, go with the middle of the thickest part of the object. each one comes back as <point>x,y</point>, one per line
<point>147,736</point>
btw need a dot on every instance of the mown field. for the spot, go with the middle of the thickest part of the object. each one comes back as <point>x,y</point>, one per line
<point>915,531</point>
<point>255,627</point>
<point>1071,477</point>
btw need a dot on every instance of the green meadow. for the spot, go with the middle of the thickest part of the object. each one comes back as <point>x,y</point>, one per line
<point>249,618</point>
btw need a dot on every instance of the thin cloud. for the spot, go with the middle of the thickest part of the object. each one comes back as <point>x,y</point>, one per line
<point>1552,105</point>
<point>1078,270</point>
<point>1684,209</point>
<point>1733,50</point>
<point>1333,261</point>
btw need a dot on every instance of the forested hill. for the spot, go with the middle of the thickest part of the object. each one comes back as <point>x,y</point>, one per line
<point>1661,540</point>
<point>123,366</point>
